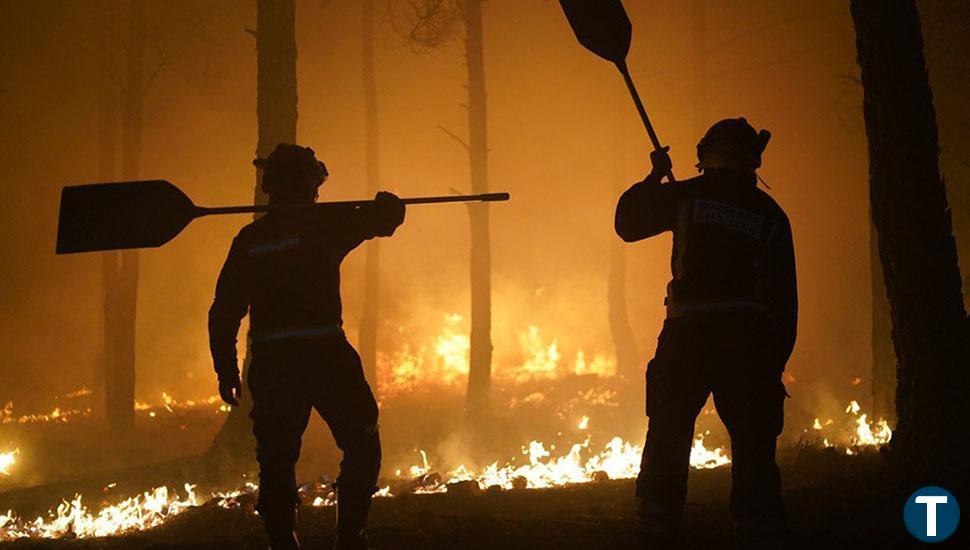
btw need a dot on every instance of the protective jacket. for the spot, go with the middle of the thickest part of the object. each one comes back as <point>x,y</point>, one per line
<point>284,269</point>
<point>732,247</point>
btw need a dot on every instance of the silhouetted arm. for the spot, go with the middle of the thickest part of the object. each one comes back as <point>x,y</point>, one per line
<point>350,226</point>
<point>647,209</point>
<point>781,289</point>
<point>228,308</point>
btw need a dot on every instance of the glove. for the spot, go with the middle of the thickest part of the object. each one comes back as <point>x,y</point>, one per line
<point>662,165</point>
<point>390,213</point>
<point>230,389</point>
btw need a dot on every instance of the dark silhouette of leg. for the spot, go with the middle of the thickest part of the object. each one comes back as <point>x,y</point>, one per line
<point>676,392</point>
<point>751,405</point>
<point>280,415</point>
<point>351,412</point>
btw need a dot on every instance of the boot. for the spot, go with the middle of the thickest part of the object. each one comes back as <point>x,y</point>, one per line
<point>656,525</point>
<point>760,533</point>
<point>662,496</point>
<point>280,530</point>
<point>352,510</point>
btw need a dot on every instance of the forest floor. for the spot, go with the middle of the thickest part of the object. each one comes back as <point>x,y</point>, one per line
<point>834,501</point>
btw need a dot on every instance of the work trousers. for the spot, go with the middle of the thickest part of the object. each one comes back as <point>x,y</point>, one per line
<point>732,355</point>
<point>288,378</point>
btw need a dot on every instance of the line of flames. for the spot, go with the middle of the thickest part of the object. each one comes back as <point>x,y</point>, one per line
<point>617,460</point>
<point>444,362</point>
<point>441,363</point>
<point>167,403</point>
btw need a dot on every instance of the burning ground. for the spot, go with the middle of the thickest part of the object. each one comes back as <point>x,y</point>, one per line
<point>565,437</point>
<point>844,499</point>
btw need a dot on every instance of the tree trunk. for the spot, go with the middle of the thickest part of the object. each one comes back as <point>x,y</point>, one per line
<point>276,114</point>
<point>883,355</point>
<point>916,246</point>
<point>628,364</point>
<point>367,339</point>
<point>121,301</point>
<point>480,369</point>
<point>624,345</point>
<point>107,149</point>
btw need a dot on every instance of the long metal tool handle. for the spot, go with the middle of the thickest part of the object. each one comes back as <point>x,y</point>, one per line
<point>642,110</point>
<point>486,197</point>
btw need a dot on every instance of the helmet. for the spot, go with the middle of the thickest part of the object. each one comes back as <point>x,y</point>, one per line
<point>291,169</point>
<point>735,139</point>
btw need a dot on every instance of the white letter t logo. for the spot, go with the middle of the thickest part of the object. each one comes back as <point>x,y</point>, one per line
<point>931,503</point>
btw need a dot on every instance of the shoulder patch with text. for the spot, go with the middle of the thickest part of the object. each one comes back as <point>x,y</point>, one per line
<point>731,217</point>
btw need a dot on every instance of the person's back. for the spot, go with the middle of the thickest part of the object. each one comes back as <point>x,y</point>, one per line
<point>730,328</point>
<point>732,245</point>
<point>286,267</point>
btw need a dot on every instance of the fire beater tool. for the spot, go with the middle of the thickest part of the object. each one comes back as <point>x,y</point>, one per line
<point>603,27</point>
<point>148,214</point>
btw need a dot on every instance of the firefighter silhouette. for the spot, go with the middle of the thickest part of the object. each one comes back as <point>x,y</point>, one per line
<point>284,270</point>
<point>730,328</point>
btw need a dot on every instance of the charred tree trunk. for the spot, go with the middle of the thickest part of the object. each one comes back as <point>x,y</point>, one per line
<point>368,323</point>
<point>480,369</point>
<point>916,245</point>
<point>276,113</point>
<point>121,268</point>
<point>883,355</point>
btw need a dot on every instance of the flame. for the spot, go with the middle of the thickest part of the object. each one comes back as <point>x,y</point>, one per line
<point>618,459</point>
<point>60,415</point>
<point>452,349</point>
<point>73,518</point>
<point>860,431</point>
<point>330,499</point>
<point>420,469</point>
<point>443,361</point>
<point>867,434</point>
<point>600,366</point>
<point>7,460</point>
<point>57,415</point>
<point>583,423</point>
<point>542,359</point>
<point>703,459</point>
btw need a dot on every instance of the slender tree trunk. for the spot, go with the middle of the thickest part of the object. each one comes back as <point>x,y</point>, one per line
<point>624,344</point>
<point>916,246</point>
<point>107,149</point>
<point>122,302</point>
<point>276,113</point>
<point>480,373</point>
<point>368,322</point>
<point>883,355</point>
